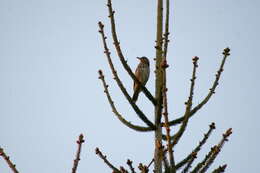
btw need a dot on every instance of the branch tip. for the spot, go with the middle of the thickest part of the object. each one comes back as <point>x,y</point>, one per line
<point>8,161</point>
<point>81,139</point>
<point>129,162</point>
<point>212,125</point>
<point>227,133</point>
<point>104,158</point>
<point>226,51</point>
<point>97,151</point>
<point>195,58</point>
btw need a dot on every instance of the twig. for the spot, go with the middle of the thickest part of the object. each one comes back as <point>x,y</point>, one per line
<point>8,161</point>
<point>226,53</point>
<point>119,116</point>
<point>217,149</point>
<point>121,56</point>
<point>178,135</point>
<point>130,164</point>
<point>120,84</point>
<point>104,158</point>
<point>80,141</point>
<point>190,158</point>
<point>189,163</point>
<point>220,169</point>
<point>143,168</point>
<point>165,89</point>
<point>186,160</point>
<point>166,32</point>
<point>199,165</point>
<point>150,163</point>
<point>164,65</point>
<point>210,157</point>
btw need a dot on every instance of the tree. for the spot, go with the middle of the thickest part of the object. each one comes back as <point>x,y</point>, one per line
<point>163,151</point>
<point>164,144</point>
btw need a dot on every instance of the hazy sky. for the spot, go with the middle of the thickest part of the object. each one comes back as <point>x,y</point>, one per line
<point>50,52</point>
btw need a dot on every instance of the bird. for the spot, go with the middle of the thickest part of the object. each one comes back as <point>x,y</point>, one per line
<point>142,73</point>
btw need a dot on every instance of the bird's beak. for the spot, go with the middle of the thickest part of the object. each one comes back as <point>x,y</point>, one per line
<point>138,58</point>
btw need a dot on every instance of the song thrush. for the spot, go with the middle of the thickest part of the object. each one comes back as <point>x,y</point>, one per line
<point>142,73</point>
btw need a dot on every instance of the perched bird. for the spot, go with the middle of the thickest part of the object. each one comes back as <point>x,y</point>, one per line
<point>142,73</point>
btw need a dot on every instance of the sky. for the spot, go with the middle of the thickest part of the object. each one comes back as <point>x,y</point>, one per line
<point>50,52</point>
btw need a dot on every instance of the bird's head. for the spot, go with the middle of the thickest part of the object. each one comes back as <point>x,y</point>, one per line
<point>144,59</point>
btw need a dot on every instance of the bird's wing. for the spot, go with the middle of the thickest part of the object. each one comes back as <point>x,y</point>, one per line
<point>138,76</point>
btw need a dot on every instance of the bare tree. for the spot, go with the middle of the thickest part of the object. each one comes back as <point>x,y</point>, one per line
<point>164,144</point>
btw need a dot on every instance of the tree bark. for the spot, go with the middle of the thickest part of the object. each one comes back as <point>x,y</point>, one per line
<point>158,153</point>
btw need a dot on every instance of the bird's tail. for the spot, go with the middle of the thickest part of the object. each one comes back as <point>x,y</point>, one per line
<point>135,96</point>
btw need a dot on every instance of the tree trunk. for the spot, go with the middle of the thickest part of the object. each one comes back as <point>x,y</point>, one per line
<point>158,153</point>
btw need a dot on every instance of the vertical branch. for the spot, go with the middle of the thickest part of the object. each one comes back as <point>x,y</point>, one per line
<point>178,135</point>
<point>158,90</point>
<point>164,65</point>
<point>80,141</point>
<point>8,161</point>
<point>165,89</point>
<point>166,31</point>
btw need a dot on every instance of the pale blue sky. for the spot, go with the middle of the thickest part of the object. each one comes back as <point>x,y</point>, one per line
<point>50,52</point>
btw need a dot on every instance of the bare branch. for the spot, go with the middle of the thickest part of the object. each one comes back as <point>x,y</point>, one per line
<point>216,151</point>
<point>190,158</point>
<point>226,53</point>
<point>158,152</point>
<point>119,116</point>
<point>220,169</point>
<point>178,135</point>
<point>166,32</point>
<point>121,56</point>
<point>104,158</point>
<point>164,65</point>
<point>8,161</point>
<point>199,165</point>
<point>211,156</point>
<point>130,164</point>
<point>80,141</point>
<point>120,84</point>
<point>189,163</point>
<point>150,163</point>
